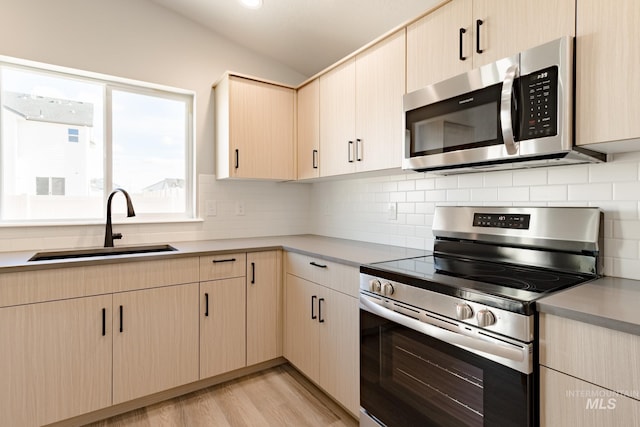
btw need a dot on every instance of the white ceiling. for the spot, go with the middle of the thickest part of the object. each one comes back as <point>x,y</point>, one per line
<point>306,35</point>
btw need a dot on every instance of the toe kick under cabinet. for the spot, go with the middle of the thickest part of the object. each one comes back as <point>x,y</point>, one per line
<point>321,334</point>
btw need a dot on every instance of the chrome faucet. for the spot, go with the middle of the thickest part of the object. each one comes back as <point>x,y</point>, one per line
<point>109,235</point>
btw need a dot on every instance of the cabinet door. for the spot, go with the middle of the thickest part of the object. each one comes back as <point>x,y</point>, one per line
<point>433,45</point>
<point>261,129</point>
<point>155,342</point>
<point>308,110</point>
<point>380,84</point>
<point>339,348</point>
<point>301,341</point>
<point>222,326</point>
<point>607,63</point>
<point>509,27</point>
<point>263,296</point>
<point>568,401</point>
<point>55,361</point>
<point>337,120</point>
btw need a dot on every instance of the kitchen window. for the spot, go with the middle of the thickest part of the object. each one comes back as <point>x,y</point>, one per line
<point>77,135</point>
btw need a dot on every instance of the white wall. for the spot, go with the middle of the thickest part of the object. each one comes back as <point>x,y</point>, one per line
<point>357,209</point>
<point>139,40</point>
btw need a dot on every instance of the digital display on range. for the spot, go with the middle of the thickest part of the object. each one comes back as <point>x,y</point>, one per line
<point>515,221</point>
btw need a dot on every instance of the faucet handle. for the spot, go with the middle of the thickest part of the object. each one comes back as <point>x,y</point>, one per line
<point>117,235</point>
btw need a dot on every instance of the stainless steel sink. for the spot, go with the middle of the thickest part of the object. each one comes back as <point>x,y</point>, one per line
<point>95,252</point>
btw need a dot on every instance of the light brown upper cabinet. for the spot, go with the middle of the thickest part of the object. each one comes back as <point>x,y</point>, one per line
<point>607,64</point>
<point>466,34</point>
<point>361,110</point>
<point>254,129</point>
<point>309,130</point>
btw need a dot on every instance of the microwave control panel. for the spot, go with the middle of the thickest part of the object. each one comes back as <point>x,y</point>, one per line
<point>539,104</point>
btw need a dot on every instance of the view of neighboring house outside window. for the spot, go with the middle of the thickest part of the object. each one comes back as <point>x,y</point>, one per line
<point>67,140</point>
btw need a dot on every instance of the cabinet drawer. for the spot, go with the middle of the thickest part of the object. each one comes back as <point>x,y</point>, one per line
<point>340,277</point>
<point>568,401</point>
<point>224,266</point>
<point>599,355</point>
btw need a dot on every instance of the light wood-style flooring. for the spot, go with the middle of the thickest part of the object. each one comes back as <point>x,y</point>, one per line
<point>279,396</point>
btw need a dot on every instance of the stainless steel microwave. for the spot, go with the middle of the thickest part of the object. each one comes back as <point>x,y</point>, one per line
<point>514,113</point>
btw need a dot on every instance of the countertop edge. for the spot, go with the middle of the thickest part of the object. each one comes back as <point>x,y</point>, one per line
<point>592,319</point>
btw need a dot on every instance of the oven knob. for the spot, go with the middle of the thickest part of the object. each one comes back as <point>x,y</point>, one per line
<point>485,318</point>
<point>375,286</point>
<point>463,311</point>
<point>387,289</point>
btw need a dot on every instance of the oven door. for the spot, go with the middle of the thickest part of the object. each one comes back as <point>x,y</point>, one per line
<point>408,378</point>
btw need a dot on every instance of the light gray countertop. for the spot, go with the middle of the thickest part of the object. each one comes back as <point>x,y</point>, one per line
<point>343,251</point>
<point>610,302</point>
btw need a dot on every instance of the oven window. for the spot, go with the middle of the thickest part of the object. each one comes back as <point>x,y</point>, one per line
<point>429,375</point>
<point>410,379</point>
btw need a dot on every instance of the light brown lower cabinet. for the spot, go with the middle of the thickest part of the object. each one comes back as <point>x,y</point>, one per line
<point>569,401</point>
<point>588,374</point>
<point>322,338</point>
<point>55,360</point>
<point>222,326</point>
<point>155,340</point>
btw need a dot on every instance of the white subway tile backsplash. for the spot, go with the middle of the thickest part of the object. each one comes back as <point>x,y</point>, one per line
<point>575,174</point>
<point>613,172</point>
<point>415,196</point>
<point>470,180</point>
<point>513,194</point>
<point>462,195</point>
<point>407,185</point>
<point>626,190</point>
<point>426,184</point>
<point>498,179</point>
<point>447,182</point>
<point>548,193</point>
<point>483,195</point>
<point>530,177</point>
<point>590,192</point>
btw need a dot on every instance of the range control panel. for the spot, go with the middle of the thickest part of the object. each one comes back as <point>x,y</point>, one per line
<point>539,104</point>
<point>515,221</point>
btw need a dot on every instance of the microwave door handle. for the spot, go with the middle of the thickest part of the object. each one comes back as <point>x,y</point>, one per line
<point>512,352</point>
<point>506,99</point>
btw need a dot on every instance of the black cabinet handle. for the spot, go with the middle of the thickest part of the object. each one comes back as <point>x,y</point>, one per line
<point>349,151</point>
<point>479,22</point>
<point>358,150</point>
<point>216,261</point>
<point>104,322</point>
<point>313,313</point>
<point>121,320</point>
<point>461,56</point>
<point>315,159</point>
<point>253,273</point>
<point>318,265</point>
<point>320,319</point>
<point>206,304</point>
<point>237,165</point>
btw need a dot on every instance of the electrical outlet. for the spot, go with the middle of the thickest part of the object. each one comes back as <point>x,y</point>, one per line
<point>239,208</point>
<point>211,208</point>
<point>392,211</point>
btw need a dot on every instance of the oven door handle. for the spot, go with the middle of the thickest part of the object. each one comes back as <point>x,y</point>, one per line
<point>513,352</point>
<point>506,119</point>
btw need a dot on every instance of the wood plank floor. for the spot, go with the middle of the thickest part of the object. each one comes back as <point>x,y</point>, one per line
<point>276,397</point>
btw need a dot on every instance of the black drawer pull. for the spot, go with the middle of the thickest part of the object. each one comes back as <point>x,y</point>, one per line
<point>318,265</point>
<point>237,163</point>
<point>320,319</point>
<point>315,159</point>
<point>104,322</point>
<point>121,320</point>
<point>461,56</point>
<point>253,273</point>
<point>216,261</point>
<point>313,314</point>
<point>206,304</point>
<point>479,22</point>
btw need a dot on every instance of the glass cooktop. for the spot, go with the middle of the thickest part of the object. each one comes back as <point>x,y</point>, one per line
<point>476,280</point>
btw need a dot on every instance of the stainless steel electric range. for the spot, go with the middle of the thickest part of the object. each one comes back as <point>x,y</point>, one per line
<point>450,339</point>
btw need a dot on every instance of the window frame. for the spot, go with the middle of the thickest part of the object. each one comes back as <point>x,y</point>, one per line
<point>109,84</point>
